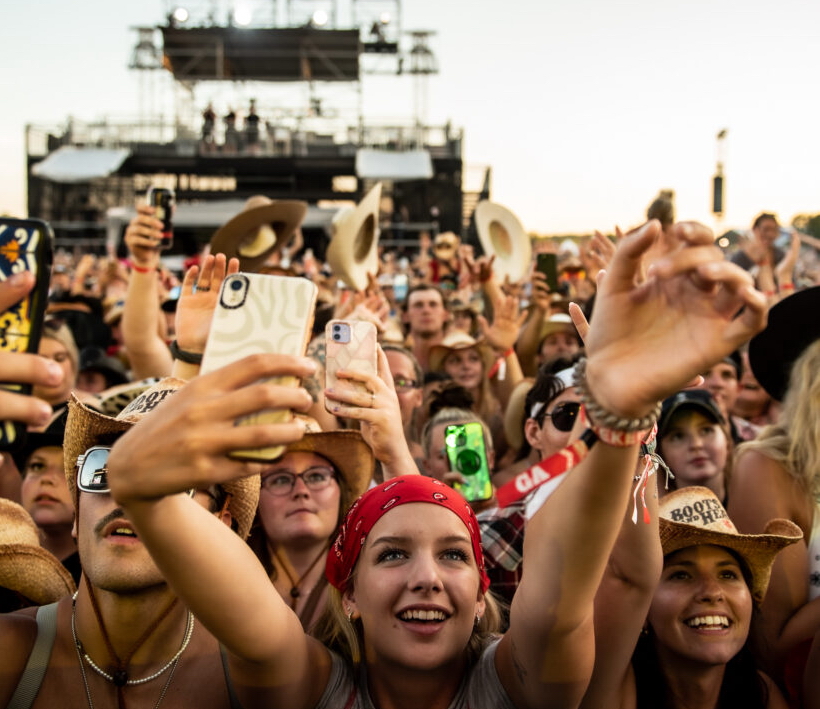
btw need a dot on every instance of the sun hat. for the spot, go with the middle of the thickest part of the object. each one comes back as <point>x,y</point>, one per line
<point>445,245</point>
<point>376,502</point>
<point>261,228</point>
<point>454,341</point>
<point>694,515</point>
<point>793,325</point>
<point>51,435</point>
<point>501,234</point>
<point>353,249</point>
<point>698,399</point>
<point>86,427</point>
<point>25,566</point>
<point>346,450</point>
<point>557,322</point>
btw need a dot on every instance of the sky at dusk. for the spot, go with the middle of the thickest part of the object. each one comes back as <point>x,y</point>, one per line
<point>584,109</point>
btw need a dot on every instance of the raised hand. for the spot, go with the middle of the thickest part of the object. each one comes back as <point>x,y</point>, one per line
<point>142,237</point>
<point>649,338</point>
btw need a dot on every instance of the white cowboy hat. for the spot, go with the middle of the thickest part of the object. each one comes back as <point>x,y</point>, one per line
<point>352,252</point>
<point>502,234</point>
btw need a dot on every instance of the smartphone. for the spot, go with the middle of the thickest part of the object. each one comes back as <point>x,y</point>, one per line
<point>162,200</point>
<point>260,313</point>
<point>467,454</point>
<point>350,344</point>
<point>400,287</point>
<point>548,265</point>
<point>25,245</point>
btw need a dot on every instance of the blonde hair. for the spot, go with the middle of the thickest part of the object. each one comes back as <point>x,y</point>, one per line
<point>794,440</point>
<point>346,636</point>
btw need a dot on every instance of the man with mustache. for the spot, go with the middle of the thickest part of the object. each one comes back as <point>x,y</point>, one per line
<point>124,640</point>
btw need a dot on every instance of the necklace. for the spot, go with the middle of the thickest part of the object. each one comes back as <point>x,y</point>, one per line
<point>119,689</point>
<point>189,631</point>
<point>295,593</point>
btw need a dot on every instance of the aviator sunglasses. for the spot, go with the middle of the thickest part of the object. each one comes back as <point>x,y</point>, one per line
<point>92,471</point>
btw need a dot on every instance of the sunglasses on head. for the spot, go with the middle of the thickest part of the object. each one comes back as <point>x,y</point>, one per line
<point>562,416</point>
<point>92,471</point>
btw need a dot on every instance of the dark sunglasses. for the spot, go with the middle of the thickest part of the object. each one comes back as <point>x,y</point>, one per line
<point>563,416</point>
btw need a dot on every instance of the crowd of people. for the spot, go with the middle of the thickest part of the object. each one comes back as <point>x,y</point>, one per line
<point>651,539</point>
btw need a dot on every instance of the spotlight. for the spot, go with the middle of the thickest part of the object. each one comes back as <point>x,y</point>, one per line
<point>242,16</point>
<point>319,18</point>
<point>384,18</point>
<point>180,14</point>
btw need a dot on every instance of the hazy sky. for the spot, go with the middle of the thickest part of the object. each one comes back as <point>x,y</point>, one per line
<point>583,108</point>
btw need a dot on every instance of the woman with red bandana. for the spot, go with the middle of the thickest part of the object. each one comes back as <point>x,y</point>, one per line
<point>414,625</point>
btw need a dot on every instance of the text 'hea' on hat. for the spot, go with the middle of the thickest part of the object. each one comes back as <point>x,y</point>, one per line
<point>501,234</point>
<point>353,249</point>
<point>261,228</point>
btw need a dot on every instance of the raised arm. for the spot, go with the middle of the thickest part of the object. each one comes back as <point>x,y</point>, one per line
<point>646,341</point>
<point>184,443</point>
<point>147,352</point>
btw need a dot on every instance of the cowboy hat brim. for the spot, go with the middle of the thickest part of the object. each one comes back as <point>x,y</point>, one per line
<point>284,216</point>
<point>501,234</point>
<point>352,253</point>
<point>35,573</point>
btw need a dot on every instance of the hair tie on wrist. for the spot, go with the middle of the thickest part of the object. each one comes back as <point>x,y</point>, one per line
<point>140,269</point>
<point>184,355</point>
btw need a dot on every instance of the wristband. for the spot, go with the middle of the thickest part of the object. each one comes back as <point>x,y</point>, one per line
<point>787,286</point>
<point>613,436</point>
<point>184,355</point>
<point>140,269</point>
<point>602,420</point>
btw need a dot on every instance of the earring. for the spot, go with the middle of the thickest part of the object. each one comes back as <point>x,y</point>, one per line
<point>350,616</point>
<point>477,620</point>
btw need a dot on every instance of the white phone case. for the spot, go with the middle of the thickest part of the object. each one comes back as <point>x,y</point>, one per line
<point>260,313</point>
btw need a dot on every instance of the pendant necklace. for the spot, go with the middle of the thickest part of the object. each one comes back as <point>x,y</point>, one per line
<point>295,593</point>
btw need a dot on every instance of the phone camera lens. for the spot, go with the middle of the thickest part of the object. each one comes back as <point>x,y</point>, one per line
<point>236,285</point>
<point>461,439</point>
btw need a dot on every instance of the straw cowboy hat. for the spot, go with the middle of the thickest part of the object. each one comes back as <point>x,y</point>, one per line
<point>352,251</point>
<point>261,228</point>
<point>502,234</point>
<point>86,428</point>
<point>694,515</point>
<point>459,340</point>
<point>25,567</point>
<point>446,245</point>
<point>793,325</point>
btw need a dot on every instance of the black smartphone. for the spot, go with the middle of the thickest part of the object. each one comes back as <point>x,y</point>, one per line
<point>25,245</point>
<point>548,265</point>
<point>162,200</point>
<point>467,454</point>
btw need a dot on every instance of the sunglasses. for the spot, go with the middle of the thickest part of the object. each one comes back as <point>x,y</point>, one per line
<point>92,471</point>
<point>562,416</point>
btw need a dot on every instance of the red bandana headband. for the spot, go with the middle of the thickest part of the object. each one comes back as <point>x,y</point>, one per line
<point>376,502</point>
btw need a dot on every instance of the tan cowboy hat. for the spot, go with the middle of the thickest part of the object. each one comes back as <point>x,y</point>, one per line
<point>261,228</point>
<point>346,450</point>
<point>459,340</point>
<point>557,322</point>
<point>25,567</point>
<point>86,428</point>
<point>445,245</point>
<point>694,515</point>
<point>501,233</point>
<point>352,252</point>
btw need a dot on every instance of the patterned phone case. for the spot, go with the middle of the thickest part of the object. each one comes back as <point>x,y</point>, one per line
<point>255,314</point>
<point>25,245</point>
<point>467,455</point>
<point>358,354</point>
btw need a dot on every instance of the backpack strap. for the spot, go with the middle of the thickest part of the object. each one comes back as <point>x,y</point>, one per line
<point>37,664</point>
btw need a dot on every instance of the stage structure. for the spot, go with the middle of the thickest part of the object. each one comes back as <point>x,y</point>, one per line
<point>286,84</point>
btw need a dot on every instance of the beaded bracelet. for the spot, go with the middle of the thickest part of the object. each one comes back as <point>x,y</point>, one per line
<point>184,355</point>
<point>610,427</point>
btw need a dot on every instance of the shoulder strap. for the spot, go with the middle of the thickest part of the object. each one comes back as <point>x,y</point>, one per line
<point>234,700</point>
<point>32,676</point>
